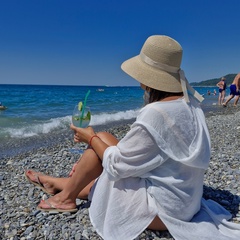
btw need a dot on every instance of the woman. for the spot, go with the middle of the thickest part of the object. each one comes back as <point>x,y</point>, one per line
<point>222,90</point>
<point>153,177</point>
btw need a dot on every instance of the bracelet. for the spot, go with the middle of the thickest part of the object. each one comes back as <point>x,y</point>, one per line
<point>90,142</point>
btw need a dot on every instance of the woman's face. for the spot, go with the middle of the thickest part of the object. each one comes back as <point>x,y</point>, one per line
<point>146,94</point>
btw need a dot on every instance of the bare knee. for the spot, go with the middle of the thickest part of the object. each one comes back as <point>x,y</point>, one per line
<point>108,138</point>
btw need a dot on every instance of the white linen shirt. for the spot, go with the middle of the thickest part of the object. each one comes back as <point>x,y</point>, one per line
<point>156,169</point>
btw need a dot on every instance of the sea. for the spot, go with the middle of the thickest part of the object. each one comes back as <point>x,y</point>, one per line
<point>37,115</point>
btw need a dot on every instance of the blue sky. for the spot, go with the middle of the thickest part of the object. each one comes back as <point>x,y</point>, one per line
<point>75,42</point>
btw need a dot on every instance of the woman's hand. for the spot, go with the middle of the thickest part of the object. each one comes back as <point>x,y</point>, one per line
<point>99,143</point>
<point>82,134</point>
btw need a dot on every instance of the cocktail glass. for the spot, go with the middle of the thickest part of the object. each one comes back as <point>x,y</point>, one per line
<point>81,117</point>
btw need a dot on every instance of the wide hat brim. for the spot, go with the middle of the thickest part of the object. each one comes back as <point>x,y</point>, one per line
<point>151,76</point>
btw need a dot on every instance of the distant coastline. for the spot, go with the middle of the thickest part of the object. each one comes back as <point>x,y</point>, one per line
<point>214,81</point>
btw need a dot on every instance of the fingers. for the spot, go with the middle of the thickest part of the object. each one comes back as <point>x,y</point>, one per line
<point>73,127</point>
<point>82,134</point>
<point>76,138</point>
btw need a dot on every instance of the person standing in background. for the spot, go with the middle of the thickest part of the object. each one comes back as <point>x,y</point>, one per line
<point>222,90</point>
<point>234,91</point>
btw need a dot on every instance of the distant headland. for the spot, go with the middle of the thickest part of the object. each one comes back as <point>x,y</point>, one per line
<point>214,81</point>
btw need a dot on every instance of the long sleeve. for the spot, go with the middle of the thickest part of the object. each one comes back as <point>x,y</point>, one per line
<point>135,155</point>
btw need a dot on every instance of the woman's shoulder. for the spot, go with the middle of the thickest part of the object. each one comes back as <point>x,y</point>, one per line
<point>166,104</point>
<point>159,108</point>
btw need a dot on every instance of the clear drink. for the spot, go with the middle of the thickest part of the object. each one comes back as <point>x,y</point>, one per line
<point>80,120</point>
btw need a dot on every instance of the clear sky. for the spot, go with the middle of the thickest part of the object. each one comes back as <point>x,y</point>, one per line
<point>75,42</point>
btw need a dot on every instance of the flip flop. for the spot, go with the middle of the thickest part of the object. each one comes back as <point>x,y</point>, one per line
<point>54,209</point>
<point>37,183</point>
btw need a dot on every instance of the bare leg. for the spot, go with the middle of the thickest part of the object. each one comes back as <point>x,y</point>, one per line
<point>228,100</point>
<point>79,185</point>
<point>51,184</point>
<point>157,224</point>
<point>219,99</point>
<point>55,185</point>
<point>222,97</point>
<point>236,100</point>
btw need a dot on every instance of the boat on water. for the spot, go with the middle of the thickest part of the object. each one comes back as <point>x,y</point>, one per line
<point>100,90</point>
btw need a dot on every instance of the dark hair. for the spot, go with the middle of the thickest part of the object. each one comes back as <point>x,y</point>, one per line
<point>157,95</point>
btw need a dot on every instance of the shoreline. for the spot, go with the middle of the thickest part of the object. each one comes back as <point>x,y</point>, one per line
<point>22,146</point>
<point>18,199</point>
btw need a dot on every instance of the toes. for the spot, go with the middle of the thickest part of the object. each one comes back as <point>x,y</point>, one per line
<point>31,175</point>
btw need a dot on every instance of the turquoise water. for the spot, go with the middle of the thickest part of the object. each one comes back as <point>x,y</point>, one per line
<point>40,115</point>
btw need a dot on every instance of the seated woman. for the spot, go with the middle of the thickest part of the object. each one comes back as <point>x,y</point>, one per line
<point>153,177</point>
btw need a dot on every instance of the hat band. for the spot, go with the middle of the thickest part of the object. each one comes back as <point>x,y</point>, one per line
<point>187,87</point>
<point>183,81</point>
<point>158,65</point>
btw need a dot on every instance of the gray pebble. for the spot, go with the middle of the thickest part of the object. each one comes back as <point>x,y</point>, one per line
<point>18,199</point>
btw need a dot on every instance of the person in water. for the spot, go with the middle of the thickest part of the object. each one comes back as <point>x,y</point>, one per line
<point>153,177</point>
<point>234,91</point>
<point>2,107</point>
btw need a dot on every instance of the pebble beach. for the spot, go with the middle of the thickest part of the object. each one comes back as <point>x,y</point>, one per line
<point>18,198</point>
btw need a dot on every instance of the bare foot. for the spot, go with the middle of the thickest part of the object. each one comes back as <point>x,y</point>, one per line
<point>59,203</point>
<point>41,181</point>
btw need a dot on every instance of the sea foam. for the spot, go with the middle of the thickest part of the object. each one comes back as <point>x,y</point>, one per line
<point>43,127</point>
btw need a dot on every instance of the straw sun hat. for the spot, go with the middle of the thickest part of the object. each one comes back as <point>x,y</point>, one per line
<point>158,66</point>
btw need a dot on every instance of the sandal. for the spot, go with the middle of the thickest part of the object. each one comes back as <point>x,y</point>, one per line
<point>52,208</point>
<point>37,182</point>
